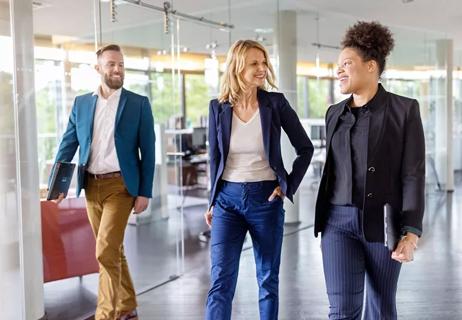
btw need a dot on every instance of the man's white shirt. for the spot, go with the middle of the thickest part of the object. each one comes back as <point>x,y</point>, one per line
<point>103,155</point>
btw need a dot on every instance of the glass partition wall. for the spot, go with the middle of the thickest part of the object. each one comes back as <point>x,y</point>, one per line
<point>154,239</point>
<point>10,239</point>
<point>176,62</point>
<point>64,67</point>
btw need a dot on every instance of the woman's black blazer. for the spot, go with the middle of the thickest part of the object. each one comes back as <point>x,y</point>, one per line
<point>395,167</point>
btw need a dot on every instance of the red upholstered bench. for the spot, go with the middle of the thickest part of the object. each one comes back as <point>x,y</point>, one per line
<point>67,240</point>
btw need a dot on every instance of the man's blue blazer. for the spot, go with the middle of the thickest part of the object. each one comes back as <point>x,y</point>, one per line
<point>275,113</point>
<point>133,134</point>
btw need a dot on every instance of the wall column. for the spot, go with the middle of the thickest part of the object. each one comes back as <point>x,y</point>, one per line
<point>285,51</point>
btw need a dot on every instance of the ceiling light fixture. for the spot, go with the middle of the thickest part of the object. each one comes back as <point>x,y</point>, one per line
<point>263,30</point>
<point>211,45</point>
<point>260,38</point>
<point>40,5</point>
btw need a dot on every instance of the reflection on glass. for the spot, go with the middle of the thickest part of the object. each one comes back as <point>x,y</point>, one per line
<point>10,272</point>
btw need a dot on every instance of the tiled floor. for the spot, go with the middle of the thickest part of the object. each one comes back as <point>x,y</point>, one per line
<point>429,288</point>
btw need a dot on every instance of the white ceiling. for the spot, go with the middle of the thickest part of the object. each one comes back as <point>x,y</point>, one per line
<point>416,24</point>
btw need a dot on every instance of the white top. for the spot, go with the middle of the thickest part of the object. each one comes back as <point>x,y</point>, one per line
<point>103,156</point>
<point>247,160</point>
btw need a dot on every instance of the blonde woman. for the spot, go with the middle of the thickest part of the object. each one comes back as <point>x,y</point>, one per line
<point>248,178</point>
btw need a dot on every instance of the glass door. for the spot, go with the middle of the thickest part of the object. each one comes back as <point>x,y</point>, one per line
<point>153,239</point>
<point>64,68</point>
<point>199,50</point>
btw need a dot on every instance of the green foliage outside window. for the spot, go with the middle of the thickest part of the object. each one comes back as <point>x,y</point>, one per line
<point>6,102</point>
<point>317,92</point>
<point>45,101</point>
<point>164,101</point>
<point>407,88</point>
<point>48,87</point>
<point>7,145</point>
<point>197,98</point>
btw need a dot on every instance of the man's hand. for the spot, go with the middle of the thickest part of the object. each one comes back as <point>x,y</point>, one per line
<point>59,199</point>
<point>141,203</point>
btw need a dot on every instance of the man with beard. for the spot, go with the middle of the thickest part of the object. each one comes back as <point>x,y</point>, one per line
<point>114,129</point>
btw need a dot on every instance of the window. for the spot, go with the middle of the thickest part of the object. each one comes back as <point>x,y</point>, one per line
<point>48,99</point>
<point>197,100</point>
<point>313,96</point>
<point>163,99</point>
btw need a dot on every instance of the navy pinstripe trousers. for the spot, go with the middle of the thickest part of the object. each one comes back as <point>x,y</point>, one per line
<point>351,263</point>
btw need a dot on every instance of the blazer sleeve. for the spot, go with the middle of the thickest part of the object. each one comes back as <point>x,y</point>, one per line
<point>147,140</point>
<point>413,171</point>
<point>301,143</point>
<point>214,153</point>
<point>69,142</point>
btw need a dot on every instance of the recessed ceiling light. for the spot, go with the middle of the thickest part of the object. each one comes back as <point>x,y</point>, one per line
<point>263,30</point>
<point>40,4</point>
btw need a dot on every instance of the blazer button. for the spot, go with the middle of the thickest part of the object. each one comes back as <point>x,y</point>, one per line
<point>371,169</point>
<point>370,195</point>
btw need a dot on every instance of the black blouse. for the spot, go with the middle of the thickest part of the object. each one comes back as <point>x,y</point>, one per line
<point>349,152</point>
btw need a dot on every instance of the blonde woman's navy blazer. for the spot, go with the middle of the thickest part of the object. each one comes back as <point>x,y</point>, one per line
<point>275,113</point>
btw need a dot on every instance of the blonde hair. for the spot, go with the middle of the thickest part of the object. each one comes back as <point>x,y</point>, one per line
<point>232,83</point>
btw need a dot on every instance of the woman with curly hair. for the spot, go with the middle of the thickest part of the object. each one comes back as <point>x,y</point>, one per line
<point>372,188</point>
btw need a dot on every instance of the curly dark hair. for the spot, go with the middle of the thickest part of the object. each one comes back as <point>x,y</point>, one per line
<point>372,40</point>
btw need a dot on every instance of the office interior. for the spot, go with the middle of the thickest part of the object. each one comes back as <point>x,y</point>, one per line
<point>174,54</point>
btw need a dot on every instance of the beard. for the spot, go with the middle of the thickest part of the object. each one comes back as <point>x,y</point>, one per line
<point>114,83</point>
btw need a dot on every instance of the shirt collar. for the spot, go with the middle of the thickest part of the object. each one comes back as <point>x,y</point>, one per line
<point>115,94</point>
<point>376,102</point>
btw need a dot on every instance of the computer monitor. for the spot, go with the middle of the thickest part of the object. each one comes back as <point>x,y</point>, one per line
<point>184,144</point>
<point>199,137</point>
<point>318,132</point>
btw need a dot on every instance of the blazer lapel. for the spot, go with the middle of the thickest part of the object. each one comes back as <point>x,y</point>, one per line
<point>377,124</point>
<point>224,127</point>
<point>91,114</point>
<point>332,123</point>
<point>265,117</point>
<point>121,106</point>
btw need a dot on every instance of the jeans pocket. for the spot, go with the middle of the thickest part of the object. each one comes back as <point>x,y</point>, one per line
<point>223,202</point>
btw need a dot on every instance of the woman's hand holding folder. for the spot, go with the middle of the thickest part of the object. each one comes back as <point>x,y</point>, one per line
<point>404,251</point>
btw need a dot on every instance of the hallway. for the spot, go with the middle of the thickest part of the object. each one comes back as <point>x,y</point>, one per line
<point>430,287</point>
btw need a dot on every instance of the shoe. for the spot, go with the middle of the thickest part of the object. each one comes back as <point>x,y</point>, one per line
<point>132,315</point>
<point>204,236</point>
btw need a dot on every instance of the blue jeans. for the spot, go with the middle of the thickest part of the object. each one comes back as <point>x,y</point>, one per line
<point>242,207</point>
<point>349,261</point>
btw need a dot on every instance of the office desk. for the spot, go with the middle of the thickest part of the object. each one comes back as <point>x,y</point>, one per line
<point>68,243</point>
<point>194,170</point>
